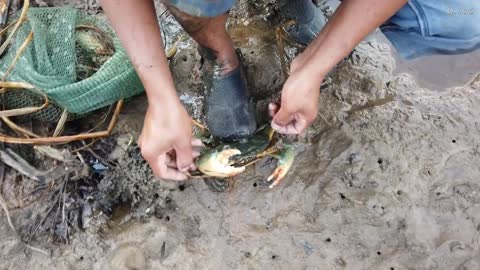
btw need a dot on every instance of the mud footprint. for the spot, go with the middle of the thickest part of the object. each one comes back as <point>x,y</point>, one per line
<point>127,257</point>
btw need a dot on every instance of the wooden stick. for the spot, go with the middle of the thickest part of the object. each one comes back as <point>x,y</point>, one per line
<point>85,146</point>
<point>67,139</point>
<point>18,55</point>
<point>7,213</point>
<point>61,123</point>
<point>18,129</point>
<point>15,85</point>
<point>5,29</point>
<point>22,111</point>
<point>27,110</point>
<point>103,119</point>
<point>199,125</point>
<point>23,17</point>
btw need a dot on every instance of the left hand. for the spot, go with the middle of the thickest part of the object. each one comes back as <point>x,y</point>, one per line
<point>299,104</point>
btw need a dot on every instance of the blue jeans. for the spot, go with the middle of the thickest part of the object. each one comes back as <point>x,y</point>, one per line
<point>425,27</point>
<point>421,27</point>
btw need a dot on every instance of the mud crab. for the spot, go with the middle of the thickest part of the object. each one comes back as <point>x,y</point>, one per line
<point>227,159</point>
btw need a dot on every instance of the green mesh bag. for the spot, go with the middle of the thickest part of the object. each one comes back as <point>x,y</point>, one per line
<point>74,58</point>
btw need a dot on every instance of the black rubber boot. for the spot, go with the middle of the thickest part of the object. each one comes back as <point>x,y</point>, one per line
<point>228,106</point>
<point>307,19</point>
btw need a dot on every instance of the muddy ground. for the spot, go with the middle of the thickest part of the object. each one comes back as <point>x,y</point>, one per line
<point>386,178</point>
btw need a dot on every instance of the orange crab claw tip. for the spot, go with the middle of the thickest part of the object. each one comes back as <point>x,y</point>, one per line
<point>274,184</point>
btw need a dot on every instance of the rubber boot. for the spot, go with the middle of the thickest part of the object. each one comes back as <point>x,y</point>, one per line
<point>307,19</point>
<point>230,112</point>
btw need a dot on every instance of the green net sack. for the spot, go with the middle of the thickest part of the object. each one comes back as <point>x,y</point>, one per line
<point>74,58</point>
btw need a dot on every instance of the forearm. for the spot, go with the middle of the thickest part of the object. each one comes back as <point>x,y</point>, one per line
<point>136,25</point>
<point>350,24</point>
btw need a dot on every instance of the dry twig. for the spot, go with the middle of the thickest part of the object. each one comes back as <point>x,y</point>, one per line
<point>23,17</point>
<point>67,139</point>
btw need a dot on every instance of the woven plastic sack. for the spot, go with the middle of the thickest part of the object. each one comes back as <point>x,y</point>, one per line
<point>51,63</point>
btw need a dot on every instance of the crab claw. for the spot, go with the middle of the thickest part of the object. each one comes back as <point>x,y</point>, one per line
<point>218,164</point>
<point>285,161</point>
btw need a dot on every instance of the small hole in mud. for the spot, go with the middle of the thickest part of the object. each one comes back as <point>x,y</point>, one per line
<point>185,59</point>
<point>181,187</point>
<point>399,192</point>
<point>254,184</point>
<point>167,218</point>
<point>379,253</point>
<point>342,196</point>
<point>328,240</point>
<point>248,254</point>
<point>454,141</point>
<point>168,200</point>
<point>438,193</point>
<point>81,258</point>
<point>429,173</point>
<point>252,52</point>
<point>274,257</point>
<point>380,161</point>
<point>391,268</point>
<point>156,196</point>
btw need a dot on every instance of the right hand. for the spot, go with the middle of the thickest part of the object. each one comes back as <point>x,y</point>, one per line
<point>166,141</point>
<point>299,103</point>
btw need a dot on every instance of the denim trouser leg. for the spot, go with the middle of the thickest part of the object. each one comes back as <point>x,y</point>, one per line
<point>425,27</point>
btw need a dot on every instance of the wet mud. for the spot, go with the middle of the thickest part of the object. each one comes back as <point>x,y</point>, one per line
<point>386,178</point>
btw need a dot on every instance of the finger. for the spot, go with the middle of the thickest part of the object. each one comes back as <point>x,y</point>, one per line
<point>193,167</point>
<point>174,174</point>
<point>272,109</point>
<point>156,164</point>
<point>184,156</point>
<point>167,172</point>
<point>279,129</point>
<point>140,140</point>
<point>171,162</point>
<point>290,129</point>
<point>197,142</point>
<point>300,125</point>
<point>282,117</point>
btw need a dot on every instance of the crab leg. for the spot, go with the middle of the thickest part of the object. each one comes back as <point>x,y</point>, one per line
<point>285,161</point>
<point>199,125</point>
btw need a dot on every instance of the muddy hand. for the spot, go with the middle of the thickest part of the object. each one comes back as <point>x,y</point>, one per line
<point>165,166</point>
<point>166,142</point>
<point>299,104</point>
<point>285,122</point>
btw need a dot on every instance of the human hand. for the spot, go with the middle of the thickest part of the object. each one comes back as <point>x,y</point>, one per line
<point>299,102</point>
<point>166,141</point>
